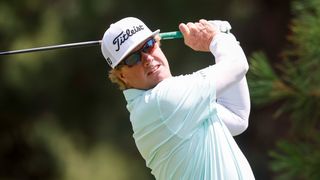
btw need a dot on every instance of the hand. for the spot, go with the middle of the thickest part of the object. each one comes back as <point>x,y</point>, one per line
<point>199,35</point>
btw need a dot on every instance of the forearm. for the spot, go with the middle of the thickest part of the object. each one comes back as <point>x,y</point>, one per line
<point>229,77</point>
<point>231,62</point>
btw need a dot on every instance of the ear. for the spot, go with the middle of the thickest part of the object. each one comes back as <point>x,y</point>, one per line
<point>122,76</point>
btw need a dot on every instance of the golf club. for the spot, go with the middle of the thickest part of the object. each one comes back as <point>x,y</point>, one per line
<point>164,36</point>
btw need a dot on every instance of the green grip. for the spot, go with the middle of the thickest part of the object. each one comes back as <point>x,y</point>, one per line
<point>171,35</point>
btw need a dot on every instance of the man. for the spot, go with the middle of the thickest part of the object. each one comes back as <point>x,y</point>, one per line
<point>183,125</point>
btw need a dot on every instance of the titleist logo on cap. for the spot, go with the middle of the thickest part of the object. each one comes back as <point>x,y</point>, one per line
<point>123,36</point>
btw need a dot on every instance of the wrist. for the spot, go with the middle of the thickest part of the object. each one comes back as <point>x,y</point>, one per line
<point>222,37</point>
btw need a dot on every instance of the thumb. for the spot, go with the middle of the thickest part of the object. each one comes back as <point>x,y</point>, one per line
<point>184,29</point>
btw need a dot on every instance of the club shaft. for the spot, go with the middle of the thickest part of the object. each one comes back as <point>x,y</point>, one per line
<point>46,48</point>
<point>164,36</point>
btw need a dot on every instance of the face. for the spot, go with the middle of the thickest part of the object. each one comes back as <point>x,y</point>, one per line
<point>152,68</point>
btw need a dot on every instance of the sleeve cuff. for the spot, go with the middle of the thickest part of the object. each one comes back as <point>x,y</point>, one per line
<point>226,38</point>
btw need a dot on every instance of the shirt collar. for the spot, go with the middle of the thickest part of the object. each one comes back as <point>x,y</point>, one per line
<point>131,94</point>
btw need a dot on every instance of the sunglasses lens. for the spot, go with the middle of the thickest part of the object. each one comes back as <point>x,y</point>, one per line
<point>133,59</point>
<point>149,45</point>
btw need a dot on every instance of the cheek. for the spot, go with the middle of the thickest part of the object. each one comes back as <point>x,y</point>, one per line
<point>134,76</point>
<point>159,56</point>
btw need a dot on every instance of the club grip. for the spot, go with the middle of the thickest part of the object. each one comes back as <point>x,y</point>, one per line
<point>171,35</point>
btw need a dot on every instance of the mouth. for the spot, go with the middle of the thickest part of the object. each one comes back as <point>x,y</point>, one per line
<point>153,69</point>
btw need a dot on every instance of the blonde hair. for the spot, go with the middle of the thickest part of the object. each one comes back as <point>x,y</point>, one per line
<point>114,73</point>
<point>114,78</point>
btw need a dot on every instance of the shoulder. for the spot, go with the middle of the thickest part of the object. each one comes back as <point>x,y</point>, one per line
<point>183,89</point>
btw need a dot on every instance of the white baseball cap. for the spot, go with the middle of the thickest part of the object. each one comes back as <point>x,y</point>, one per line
<point>122,37</point>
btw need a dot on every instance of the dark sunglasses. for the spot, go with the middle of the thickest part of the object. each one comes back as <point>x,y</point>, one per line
<point>135,57</point>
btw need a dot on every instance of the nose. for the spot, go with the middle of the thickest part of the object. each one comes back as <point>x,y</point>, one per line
<point>146,58</point>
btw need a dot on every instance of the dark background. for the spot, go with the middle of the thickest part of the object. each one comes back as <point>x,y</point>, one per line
<point>61,118</point>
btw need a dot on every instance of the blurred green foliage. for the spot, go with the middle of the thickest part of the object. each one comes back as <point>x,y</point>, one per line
<point>296,86</point>
<point>61,118</point>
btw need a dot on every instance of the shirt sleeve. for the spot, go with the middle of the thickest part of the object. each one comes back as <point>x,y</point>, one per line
<point>231,62</point>
<point>232,90</point>
<point>233,107</point>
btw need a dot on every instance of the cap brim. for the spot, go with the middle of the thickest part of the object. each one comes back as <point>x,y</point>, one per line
<point>128,51</point>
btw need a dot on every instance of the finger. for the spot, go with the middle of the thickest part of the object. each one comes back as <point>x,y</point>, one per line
<point>192,27</point>
<point>206,24</point>
<point>184,29</point>
<point>200,26</point>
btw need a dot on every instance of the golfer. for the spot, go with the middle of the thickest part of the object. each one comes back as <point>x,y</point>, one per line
<point>183,125</point>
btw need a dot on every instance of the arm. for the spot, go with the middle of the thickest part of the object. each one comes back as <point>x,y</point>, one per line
<point>228,73</point>
<point>232,90</point>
